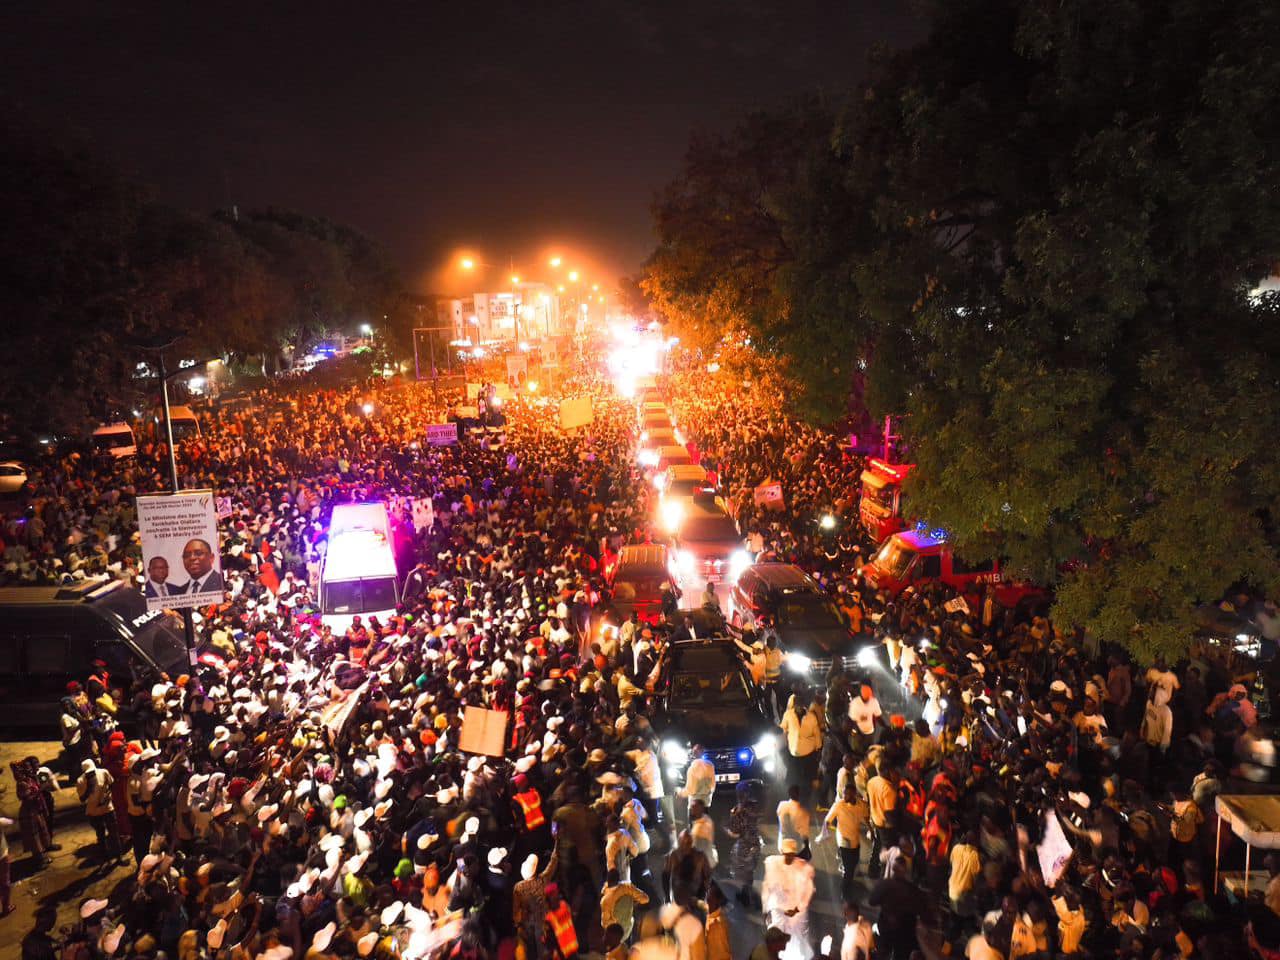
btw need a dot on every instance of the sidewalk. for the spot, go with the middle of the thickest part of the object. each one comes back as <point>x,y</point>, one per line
<point>50,899</point>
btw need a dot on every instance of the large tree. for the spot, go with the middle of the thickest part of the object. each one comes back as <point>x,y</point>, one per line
<point>1038,231</point>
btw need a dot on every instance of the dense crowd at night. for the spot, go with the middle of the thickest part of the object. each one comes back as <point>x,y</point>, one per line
<point>258,825</point>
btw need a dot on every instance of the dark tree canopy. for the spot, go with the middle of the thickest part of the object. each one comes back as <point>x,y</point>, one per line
<point>1039,231</point>
<point>91,267</point>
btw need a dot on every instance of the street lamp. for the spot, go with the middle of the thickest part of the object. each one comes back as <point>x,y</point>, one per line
<point>366,330</point>
<point>556,261</point>
<point>468,263</point>
<point>573,276</point>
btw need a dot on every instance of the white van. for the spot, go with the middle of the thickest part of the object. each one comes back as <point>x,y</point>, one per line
<point>184,423</point>
<point>116,439</point>
<point>359,572</point>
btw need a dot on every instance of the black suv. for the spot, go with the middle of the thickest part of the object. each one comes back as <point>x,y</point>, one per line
<point>705,696</point>
<point>811,630</point>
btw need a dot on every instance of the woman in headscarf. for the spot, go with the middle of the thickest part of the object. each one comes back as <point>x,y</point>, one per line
<point>34,814</point>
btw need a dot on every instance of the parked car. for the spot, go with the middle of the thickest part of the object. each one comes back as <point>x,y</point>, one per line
<point>13,477</point>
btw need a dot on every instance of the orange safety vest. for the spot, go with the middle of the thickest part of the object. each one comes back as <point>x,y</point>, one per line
<point>561,920</point>
<point>531,807</point>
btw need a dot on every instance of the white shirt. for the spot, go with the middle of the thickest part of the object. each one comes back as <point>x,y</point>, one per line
<point>647,773</point>
<point>794,822</point>
<point>864,714</point>
<point>619,848</point>
<point>632,817</point>
<point>700,780</point>
<point>857,936</point>
<point>786,887</point>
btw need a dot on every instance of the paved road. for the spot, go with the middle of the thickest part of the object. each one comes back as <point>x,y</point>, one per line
<point>49,899</point>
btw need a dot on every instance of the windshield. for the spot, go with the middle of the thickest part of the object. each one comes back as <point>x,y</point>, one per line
<point>360,596</point>
<point>112,441</point>
<point>629,591</point>
<point>707,689</point>
<point>808,612</point>
<point>894,558</point>
<point>684,488</point>
<point>881,496</point>
<point>185,428</point>
<point>162,640</point>
<point>713,529</point>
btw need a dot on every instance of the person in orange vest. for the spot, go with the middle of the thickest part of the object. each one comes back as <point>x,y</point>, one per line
<point>533,830</point>
<point>562,938</point>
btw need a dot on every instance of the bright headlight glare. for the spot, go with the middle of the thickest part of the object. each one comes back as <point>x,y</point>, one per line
<point>738,561</point>
<point>672,515</point>
<point>674,752</point>
<point>866,657</point>
<point>798,663</point>
<point>766,746</point>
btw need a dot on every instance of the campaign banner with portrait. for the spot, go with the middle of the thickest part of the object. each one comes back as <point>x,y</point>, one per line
<point>180,550</point>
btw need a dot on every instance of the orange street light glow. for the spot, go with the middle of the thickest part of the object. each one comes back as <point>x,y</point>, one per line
<point>573,276</point>
<point>556,261</point>
<point>515,279</point>
<point>468,263</point>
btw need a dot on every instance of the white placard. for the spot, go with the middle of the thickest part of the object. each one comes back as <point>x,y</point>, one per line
<point>442,434</point>
<point>180,550</point>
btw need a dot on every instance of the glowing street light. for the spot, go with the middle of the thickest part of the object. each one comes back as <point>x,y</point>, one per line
<point>468,263</point>
<point>514,278</point>
<point>366,329</point>
<point>556,261</point>
<point>573,276</point>
<point>595,288</point>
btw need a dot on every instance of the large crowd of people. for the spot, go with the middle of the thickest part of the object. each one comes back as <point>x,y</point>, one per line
<point>989,786</point>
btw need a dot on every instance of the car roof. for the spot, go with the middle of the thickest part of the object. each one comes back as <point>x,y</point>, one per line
<point>918,541</point>
<point>703,655</point>
<point>782,576</point>
<point>687,471</point>
<point>643,555</point>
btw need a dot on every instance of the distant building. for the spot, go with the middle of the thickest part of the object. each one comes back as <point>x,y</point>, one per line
<point>529,312</point>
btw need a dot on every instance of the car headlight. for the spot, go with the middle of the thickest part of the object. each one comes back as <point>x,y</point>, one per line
<point>673,751</point>
<point>647,458</point>
<point>738,562</point>
<point>766,746</point>
<point>672,515</point>
<point>798,663</point>
<point>684,561</point>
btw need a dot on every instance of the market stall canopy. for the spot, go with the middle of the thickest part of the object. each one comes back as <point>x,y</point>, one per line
<point>1254,818</point>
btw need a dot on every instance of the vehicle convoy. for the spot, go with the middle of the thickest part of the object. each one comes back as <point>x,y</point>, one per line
<point>707,545</point>
<point>358,576</point>
<point>704,697</point>
<point>811,629</point>
<point>637,581</point>
<point>919,556</point>
<point>49,636</point>
<point>881,506</point>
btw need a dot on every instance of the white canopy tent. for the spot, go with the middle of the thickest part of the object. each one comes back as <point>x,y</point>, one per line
<point>1255,819</point>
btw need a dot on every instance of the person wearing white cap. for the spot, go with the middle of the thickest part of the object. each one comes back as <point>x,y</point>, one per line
<point>787,891</point>
<point>94,789</point>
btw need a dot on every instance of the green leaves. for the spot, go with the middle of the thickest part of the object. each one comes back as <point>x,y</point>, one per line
<point>1039,227</point>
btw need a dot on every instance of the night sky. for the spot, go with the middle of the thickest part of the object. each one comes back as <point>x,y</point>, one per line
<point>509,128</point>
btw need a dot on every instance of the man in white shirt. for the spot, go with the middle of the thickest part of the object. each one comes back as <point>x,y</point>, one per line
<point>858,942</point>
<point>1162,681</point>
<point>699,779</point>
<point>794,820</point>
<point>864,711</point>
<point>786,893</point>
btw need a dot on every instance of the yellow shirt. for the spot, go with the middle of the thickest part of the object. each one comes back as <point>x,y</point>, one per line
<point>965,866</point>
<point>1071,924</point>
<point>883,798</point>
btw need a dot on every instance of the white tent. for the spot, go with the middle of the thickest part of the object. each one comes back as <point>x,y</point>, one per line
<point>1255,819</point>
